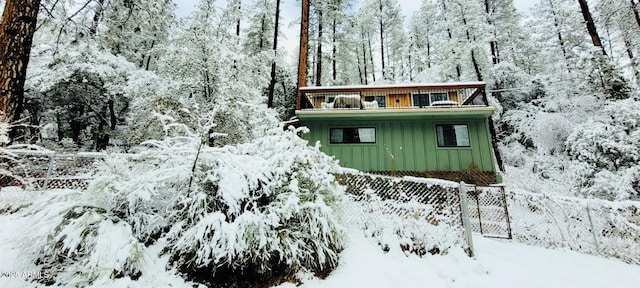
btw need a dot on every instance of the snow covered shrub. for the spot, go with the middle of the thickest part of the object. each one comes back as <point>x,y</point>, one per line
<point>609,145</point>
<point>258,213</point>
<point>546,131</point>
<point>252,214</point>
<point>611,141</point>
<point>78,243</point>
<point>614,185</point>
<point>603,76</point>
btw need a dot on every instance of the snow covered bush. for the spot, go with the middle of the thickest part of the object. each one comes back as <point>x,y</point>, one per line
<point>251,214</point>
<point>611,141</point>
<point>609,145</point>
<point>543,130</point>
<point>259,209</point>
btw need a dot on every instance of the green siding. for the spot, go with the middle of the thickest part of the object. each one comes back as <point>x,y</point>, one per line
<point>412,142</point>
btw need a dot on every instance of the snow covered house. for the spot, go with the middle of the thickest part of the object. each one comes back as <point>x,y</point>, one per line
<point>432,130</point>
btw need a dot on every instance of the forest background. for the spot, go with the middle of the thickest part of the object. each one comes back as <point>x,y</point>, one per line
<point>563,76</point>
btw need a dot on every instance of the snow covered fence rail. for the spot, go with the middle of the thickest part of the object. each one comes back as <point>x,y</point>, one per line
<point>592,226</point>
<point>417,214</point>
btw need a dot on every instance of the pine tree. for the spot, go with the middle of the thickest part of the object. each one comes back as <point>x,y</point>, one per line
<point>16,35</point>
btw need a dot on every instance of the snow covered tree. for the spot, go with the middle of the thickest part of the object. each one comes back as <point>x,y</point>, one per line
<point>84,92</point>
<point>134,29</point>
<point>388,22</point>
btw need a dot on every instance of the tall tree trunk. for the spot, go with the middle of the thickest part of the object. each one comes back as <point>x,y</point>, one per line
<point>240,18</point>
<point>373,70</point>
<point>334,52</point>
<point>493,45</point>
<point>632,59</point>
<point>304,45</point>
<point>591,26</point>
<point>16,35</point>
<point>381,23</point>
<point>556,24</point>
<point>364,59</point>
<point>359,65</point>
<point>319,51</point>
<point>272,84</point>
<point>634,8</point>
<point>474,60</point>
<point>428,53</point>
<point>263,29</point>
<point>96,18</point>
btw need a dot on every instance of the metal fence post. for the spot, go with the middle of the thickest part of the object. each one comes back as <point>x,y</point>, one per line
<point>593,230</point>
<point>49,171</point>
<point>465,217</point>
<point>506,210</point>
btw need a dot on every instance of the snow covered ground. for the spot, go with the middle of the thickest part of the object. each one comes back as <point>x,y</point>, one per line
<point>498,263</point>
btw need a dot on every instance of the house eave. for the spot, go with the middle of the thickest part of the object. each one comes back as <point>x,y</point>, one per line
<point>406,113</point>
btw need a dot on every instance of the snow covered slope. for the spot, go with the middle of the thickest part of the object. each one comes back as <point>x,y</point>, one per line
<point>498,263</point>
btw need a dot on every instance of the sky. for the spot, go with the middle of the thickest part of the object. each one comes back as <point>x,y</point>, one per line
<point>291,11</point>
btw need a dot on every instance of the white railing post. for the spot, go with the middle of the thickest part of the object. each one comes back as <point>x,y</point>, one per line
<point>462,191</point>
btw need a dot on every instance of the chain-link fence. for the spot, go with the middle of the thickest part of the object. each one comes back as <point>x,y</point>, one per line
<point>488,212</point>
<point>426,214</point>
<point>598,227</point>
<point>47,170</point>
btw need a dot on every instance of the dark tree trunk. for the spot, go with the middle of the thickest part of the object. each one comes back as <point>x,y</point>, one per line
<point>16,35</point>
<point>410,68</point>
<point>474,60</point>
<point>319,51</point>
<point>334,70</point>
<point>373,70</point>
<point>634,8</point>
<point>262,32</point>
<point>238,21</point>
<point>381,23</point>
<point>476,67</point>
<point>591,26</point>
<point>556,24</point>
<point>272,84</point>
<point>359,66</point>
<point>364,59</point>
<point>493,45</point>
<point>96,18</point>
<point>632,59</point>
<point>304,45</point>
<point>428,53</point>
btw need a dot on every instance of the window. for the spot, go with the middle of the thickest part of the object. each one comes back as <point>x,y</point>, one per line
<point>427,99</point>
<point>352,135</point>
<point>439,97</point>
<point>382,100</point>
<point>450,135</point>
<point>420,100</point>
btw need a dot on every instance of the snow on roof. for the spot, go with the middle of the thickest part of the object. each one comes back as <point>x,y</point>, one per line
<point>394,86</point>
